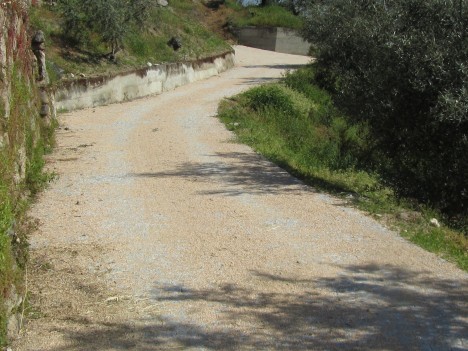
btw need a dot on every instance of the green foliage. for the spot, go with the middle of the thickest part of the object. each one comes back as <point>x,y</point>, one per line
<point>268,16</point>
<point>401,67</point>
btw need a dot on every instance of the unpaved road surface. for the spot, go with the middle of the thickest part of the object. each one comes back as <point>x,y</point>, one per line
<point>161,233</point>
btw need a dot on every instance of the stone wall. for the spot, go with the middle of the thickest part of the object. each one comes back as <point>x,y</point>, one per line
<point>90,92</point>
<point>273,38</point>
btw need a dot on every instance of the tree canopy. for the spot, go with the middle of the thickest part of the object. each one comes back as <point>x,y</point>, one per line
<point>402,67</point>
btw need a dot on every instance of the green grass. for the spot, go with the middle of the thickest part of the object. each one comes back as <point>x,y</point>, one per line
<point>294,124</point>
<point>268,16</point>
<point>183,19</point>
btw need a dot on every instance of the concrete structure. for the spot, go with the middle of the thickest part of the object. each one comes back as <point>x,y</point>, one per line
<point>90,92</point>
<point>274,39</point>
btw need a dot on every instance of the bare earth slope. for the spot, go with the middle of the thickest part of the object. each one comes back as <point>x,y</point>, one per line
<point>161,233</point>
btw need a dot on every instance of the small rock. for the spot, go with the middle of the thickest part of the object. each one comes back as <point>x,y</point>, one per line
<point>235,124</point>
<point>162,3</point>
<point>435,222</point>
<point>82,75</point>
<point>113,299</point>
<point>149,64</point>
<point>72,75</point>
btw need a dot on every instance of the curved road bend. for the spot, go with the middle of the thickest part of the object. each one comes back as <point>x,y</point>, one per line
<point>161,233</point>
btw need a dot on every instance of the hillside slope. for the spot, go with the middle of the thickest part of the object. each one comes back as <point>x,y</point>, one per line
<point>182,19</point>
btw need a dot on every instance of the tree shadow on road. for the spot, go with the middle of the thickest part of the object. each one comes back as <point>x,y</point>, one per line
<point>264,80</point>
<point>234,174</point>
<point>366,307</point>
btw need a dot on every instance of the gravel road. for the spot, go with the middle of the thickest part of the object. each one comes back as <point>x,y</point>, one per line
<point>162,233</point>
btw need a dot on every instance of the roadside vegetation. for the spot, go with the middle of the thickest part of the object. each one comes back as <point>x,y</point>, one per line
<point>98,37</point>
<point>381,118</point>
<point>295,124</point>
<point>21,177</point>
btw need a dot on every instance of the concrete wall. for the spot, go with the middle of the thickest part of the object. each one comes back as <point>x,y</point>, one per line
<point>289,42</point>
<point>90,92</point>
<point>260,38</point>
<point>273,39</point>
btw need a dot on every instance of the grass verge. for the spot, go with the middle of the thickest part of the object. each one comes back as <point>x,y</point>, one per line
<point>268,16</point>
<point>294,124</point>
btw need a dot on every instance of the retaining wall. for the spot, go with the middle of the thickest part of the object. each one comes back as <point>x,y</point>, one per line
<point>90,92</point>
<point>273,38</point>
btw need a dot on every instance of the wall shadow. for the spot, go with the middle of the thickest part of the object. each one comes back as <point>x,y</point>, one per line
<point>367,307</point>
<point>241,173</point>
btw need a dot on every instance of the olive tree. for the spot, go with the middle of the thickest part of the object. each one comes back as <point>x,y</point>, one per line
<point>109,19</point>
<point>402,67</point>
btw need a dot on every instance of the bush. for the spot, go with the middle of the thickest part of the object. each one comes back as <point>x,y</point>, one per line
<point>304,119</point>
<point>401,67</point>
<point>270,96</point>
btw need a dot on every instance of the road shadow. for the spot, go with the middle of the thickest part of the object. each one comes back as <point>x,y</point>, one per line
<point>366,307</point>
<point>278,66</point>
<point>234,174</point>
<point>265,80</point>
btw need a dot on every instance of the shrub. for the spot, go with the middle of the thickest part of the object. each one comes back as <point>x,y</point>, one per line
<point>304,119</point>
<point>401,66</point>
<point>270,96</point>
